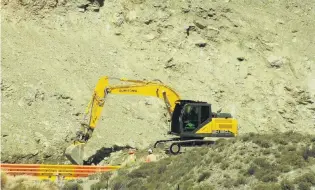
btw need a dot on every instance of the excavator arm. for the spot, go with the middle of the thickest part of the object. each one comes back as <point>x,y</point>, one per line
<point>94,109</point>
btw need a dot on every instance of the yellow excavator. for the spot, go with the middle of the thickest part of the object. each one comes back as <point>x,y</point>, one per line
<point>191,121</point>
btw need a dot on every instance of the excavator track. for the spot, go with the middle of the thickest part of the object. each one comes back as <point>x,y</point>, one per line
<point>53,172</point>
<point>174,145</point>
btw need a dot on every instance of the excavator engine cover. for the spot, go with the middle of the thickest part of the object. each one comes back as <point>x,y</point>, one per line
<point>75,153</point>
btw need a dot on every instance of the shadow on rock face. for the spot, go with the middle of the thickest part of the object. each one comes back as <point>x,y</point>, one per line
<point>102,153</point>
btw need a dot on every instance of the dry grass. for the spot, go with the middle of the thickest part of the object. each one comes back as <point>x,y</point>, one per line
<point>4,179</point>
<point>72,185</point>
<point>29,183</point>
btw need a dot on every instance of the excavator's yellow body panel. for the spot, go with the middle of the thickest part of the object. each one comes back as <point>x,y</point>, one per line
<point>218,125</point>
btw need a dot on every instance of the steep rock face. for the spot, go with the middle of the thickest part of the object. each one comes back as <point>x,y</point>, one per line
<point>255,60</point>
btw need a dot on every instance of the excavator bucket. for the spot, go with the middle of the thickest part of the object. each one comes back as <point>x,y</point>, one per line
<point>75,153</point>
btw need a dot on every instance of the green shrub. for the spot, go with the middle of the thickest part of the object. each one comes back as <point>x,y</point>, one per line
<point>205,187</point>
<point>304,186</point>
<point>268,177</point>
<point>263,170</point>
<point>241,180</point>
<point>186,185</point>
<point>293,159</point>
<point>221,142</point>
<point>203,176</point>
<point>277,155</point>
<point>281,140</point>
<point>227,183</point>
<point>227,176</point>
<point>307,178</point>
<point>287,185</point>
<point>224,165</point>
<point>262,142</point>
<point>291,148</point>
<point>247,137</point>
<point>143,171</point>
<point>283,168</point>
<point>99,186</point>
<point>296,137</point>
<point>242,152</point>
<point>135,183</point>
<point>118,185</point>
<point>238,166</point>
<point>262,162</point>
<point>281,148</point>
<point>266,151</point>
<point>267,186</point>
<point>72,186</point>
<point>217,158</point>
<point>105,176</point>
<point>308,152</point>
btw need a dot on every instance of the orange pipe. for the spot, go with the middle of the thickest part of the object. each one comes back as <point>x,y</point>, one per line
<point>44,171</point>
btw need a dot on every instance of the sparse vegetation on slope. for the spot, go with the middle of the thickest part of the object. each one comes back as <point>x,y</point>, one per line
<point>28,183</point>
<point>240,163</point>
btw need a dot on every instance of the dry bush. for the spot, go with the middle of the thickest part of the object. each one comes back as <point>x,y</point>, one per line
<point>262,141</point>
<point>266,140</point>
<point>305,181</point>
<point>203,176</point>
<point>265,186</point>
<point>266,151</point>
<point>247,137</point>
<point>228,184</point>
<point>263,170</point>
<point>4,179</point>
<point>99,186</point>
<point>29,183</point>
<point>287,185</point>
<point>224,165</point>
<point>258,139</point>
<point>72,185</point>
<point>308,151</point>
<point>205,186</point>
<point>293,159</point>
<point>241,180</point>
<point>284,168</point>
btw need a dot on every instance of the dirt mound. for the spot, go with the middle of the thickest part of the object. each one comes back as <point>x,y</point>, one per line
<point>255,60</point>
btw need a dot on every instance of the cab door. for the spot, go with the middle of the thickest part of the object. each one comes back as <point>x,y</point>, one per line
<point>193,117</point>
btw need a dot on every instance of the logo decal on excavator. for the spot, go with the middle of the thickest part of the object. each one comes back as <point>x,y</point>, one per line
<point>128,90</point>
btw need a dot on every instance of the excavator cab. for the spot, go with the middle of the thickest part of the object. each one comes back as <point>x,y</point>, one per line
<point>194,120</point>
<point>188,116</point>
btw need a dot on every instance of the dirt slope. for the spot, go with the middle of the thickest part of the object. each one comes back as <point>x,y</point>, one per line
<point>253,59</point>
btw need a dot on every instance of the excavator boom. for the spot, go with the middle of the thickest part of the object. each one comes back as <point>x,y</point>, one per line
<point>94,109</point>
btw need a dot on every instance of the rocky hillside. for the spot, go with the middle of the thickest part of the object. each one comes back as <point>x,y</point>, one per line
<point>253,59</point>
